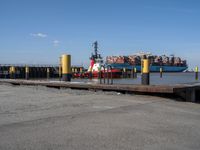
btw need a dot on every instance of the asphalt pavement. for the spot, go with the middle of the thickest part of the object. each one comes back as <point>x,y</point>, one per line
<point>40,118</point>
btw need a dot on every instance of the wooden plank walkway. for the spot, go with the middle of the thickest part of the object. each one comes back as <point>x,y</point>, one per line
<point>189,92</point>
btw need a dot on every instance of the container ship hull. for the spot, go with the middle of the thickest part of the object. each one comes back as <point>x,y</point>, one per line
<point>153,68</point>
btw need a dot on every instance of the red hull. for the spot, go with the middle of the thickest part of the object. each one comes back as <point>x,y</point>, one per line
<point>115,74</point>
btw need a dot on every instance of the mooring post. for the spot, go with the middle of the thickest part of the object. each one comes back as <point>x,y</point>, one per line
<point>27,72</point>
<point>35,72</point>
<point>109,74</point>
<point>60,68</point>
<point>132,72</point>
<point>100,77</point>
<point>1,71</point>
<point>161,72</point>
<point>48,73</point>
<point>104,76</point>
<point>66,67</point>
<point>145,72</point>
<point>81,72</point>
<point>12,72</point>
<point>135,72</point>
<point>196,73</point>
<point>72,71</point>
<point>124,72</point>
<point>99,74</point>
<point>6,72</point>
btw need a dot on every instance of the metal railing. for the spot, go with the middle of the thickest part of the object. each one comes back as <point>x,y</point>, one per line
<point>106,74</point>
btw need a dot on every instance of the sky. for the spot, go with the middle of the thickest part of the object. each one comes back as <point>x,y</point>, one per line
<point>40,31</point>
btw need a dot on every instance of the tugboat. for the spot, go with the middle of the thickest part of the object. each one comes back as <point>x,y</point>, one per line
<point>97,65</point>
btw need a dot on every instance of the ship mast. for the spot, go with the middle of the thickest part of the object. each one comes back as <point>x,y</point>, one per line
<point>95,48</point>
<point>95,56</point>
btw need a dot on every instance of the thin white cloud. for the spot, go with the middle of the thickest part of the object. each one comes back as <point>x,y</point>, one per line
<point>56,42</point>
<point>41,35</point>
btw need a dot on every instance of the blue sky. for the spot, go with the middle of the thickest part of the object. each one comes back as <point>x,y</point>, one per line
<point>39,31</point>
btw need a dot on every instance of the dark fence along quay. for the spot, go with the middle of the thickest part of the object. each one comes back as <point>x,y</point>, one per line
<point>33,71</point>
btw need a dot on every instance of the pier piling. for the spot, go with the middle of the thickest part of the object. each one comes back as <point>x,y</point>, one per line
<point>60,68</point>
<point>12,72</point>
<point>27,72</point>
<point>196,73</point>
<point>48,73</point>
<point>161,72</point>
<point>135,72</point>
<point>145,72</point>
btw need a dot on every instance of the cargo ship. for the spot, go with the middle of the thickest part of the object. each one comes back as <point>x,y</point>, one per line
<point>119,63</point>
<point>167,63</point>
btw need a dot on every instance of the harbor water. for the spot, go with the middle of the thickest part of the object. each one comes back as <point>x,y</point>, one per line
<point>167,79</point>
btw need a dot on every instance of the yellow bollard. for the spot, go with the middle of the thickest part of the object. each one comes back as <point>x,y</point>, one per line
<point>196,73</point>
<point>145,72</point>
<point>12,72</point>
<point>66,67</point>
<point>27,72</point>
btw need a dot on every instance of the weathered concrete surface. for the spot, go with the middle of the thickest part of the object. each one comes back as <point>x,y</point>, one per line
<point>39,118</point>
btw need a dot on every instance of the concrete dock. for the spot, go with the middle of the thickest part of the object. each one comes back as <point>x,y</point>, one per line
<point>187,92</point>
<point>41,118</point>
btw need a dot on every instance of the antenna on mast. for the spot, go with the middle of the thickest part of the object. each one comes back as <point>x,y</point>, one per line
<point>95,48</point>
<point>95,55</point>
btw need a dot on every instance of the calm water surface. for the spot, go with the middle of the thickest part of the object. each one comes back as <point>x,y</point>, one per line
<point>168,78</point>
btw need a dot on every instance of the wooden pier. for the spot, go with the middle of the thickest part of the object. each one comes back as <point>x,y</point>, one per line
<point>188,92</point>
